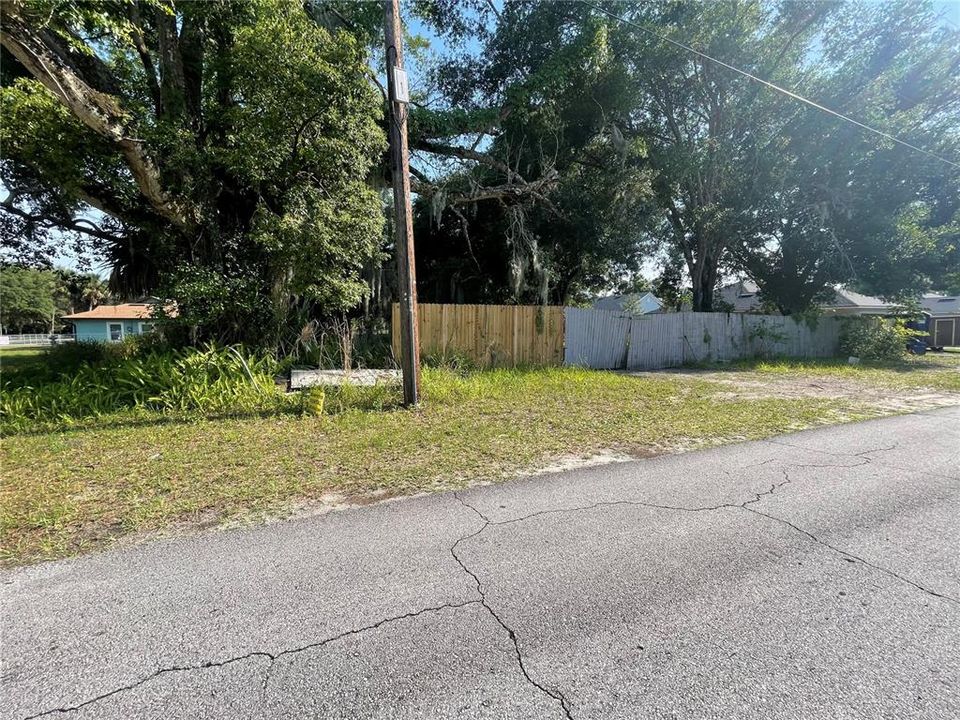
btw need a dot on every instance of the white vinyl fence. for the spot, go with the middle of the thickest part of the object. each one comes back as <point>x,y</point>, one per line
<point>602,339</point>
<point>35,339</point>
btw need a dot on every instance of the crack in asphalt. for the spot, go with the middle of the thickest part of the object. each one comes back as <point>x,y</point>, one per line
<point>827,452</point>
<point>144,681</point>
<point>756,464</point>
<point>612,503</point>
<point>850,557</point>
<point>272,657</point>
<point>637,503</point>
<point>862,455</point>
<point>757,497</point>
<point>679,508</point>
<point>550,692</point>
<point>877,450</point>
<point>553,693</point>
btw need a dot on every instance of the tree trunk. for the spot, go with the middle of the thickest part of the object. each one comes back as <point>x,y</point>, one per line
<point>703,275</point>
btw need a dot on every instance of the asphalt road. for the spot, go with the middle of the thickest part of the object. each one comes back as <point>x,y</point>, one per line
<point>816,575</point>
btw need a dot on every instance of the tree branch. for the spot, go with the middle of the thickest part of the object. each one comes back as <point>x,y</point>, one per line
<point>81,225</point>
<point>145,58</point>
<point>171,63</point>
<point>509,192</point>
<point>467,154</point>
<point>419,175</point>
<point>191,58</point>
<point>97,110</point>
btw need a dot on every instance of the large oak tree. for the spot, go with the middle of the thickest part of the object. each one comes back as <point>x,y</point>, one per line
<point>218,152</point>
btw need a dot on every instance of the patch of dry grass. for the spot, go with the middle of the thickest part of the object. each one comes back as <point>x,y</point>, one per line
<point>933,371</point>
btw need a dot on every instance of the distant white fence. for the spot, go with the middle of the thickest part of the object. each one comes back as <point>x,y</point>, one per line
<point>35,339</point>
<point>603,339</point>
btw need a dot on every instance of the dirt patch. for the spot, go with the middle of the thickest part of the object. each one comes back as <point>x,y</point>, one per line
<point>642,452</point>
<point>574,462</point>
<point>748,385</point>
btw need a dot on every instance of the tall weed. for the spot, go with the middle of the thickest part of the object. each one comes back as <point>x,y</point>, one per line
<point>208,381</point>
<point>871,338</point>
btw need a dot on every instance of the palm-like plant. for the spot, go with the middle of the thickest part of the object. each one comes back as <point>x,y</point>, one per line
<point>94,292</point>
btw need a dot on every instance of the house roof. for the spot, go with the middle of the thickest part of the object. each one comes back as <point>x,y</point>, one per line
<point>743,295</point>
<point>843,297</point>
<point>936,304</point>
<point>639,301</point>
<point>125,311</point>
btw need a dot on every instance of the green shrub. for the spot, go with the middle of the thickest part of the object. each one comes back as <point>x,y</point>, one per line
<point>372,349</point>
<point>67,358</point>
<point>358,343</point>
<point>208,381</point>
<point>874,338</point>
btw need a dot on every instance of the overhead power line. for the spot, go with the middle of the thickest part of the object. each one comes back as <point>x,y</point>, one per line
<point>772,86</point>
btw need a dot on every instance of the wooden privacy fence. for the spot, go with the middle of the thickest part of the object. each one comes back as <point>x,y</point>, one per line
<point>489,335</point>
<point>603,339</point>
<point>510,335</point>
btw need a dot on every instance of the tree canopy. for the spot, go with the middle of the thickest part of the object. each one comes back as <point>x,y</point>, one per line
<point>714,168</point>
<point>230,155</point>
<point>28,300</point>
<point>35,299</point>
<point>557,201</point>
<point>226,145</point>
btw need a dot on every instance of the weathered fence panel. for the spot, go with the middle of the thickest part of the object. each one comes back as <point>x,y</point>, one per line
<point>489,335</point>
<point>602,339</point>
<point>655,342</point>
<point>595,339</point>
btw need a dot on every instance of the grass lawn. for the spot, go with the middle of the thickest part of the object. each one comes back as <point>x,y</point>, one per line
<point>68,491</point>
<point>12,357</point>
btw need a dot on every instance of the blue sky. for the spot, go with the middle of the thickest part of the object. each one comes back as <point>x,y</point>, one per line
<point>416,27</point>
<point>950,10</point>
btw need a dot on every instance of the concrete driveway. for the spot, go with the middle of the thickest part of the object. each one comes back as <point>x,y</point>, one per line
<point>816,575</point>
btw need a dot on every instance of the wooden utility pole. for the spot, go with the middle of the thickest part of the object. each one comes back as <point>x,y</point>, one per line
<point>403,213</point>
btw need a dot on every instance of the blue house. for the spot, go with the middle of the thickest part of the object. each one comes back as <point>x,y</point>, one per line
<point>112,323</point>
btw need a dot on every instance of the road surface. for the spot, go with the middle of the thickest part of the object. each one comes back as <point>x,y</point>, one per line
<point>814,575</point>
